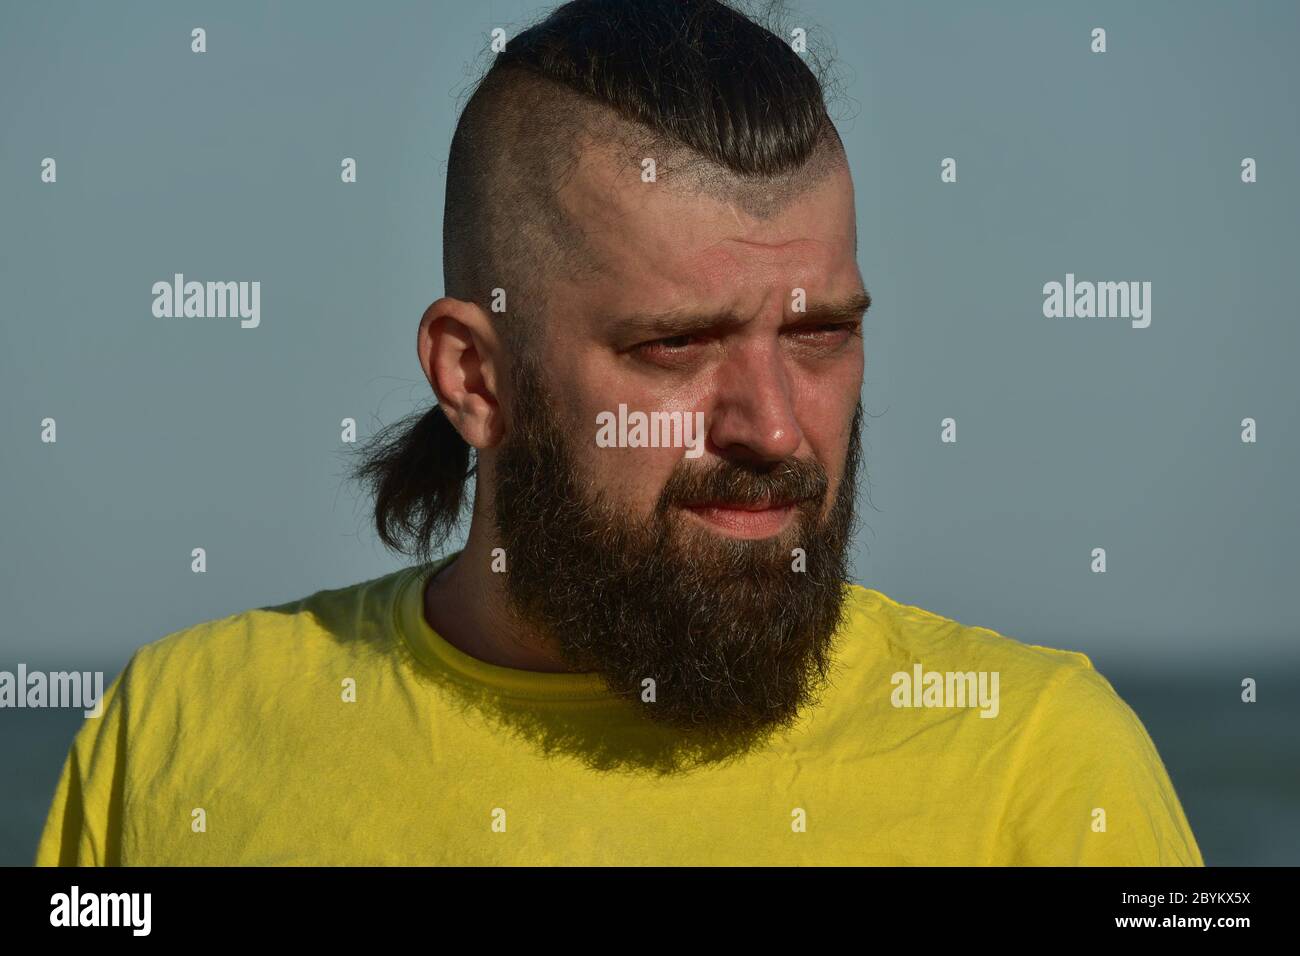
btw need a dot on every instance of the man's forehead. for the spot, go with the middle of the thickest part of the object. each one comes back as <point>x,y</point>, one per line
<point>695,225</point>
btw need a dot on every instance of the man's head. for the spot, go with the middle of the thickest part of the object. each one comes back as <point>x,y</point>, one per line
<point>648,207</point>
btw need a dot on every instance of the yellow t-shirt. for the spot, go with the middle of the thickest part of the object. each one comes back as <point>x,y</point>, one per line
<point>341,729</point>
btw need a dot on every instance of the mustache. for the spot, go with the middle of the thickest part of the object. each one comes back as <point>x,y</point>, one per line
<point>792,481</point>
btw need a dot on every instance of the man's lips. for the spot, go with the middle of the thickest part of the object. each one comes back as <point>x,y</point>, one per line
<point>766,505</point>
<point>744,519</point>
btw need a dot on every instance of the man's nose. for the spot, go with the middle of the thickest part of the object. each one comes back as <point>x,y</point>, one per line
<point>753,416</point>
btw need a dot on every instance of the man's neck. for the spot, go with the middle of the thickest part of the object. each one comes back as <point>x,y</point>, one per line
<point>466,604</point>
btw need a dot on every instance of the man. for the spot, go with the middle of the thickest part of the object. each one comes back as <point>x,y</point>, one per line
<point>649,358</point>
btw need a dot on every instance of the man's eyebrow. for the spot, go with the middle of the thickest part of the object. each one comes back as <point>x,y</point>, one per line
<point>685,322</point>
<point>853,307</point>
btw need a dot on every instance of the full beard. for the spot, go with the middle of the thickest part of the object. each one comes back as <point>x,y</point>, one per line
<point>735,638</point>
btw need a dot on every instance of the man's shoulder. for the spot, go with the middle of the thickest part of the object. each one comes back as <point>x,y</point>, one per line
<point>904,631</point>
<point>1049,690</point>
<point>327,623</point>
<point>1066,741</point>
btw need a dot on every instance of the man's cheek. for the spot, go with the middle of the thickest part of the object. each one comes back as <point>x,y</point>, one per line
<point>631,479</point>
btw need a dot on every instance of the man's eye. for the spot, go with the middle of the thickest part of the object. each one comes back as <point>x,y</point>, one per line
<point>833,328</point>
<point>672,343</point>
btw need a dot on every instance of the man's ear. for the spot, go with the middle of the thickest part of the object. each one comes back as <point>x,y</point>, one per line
<point>461,357</point>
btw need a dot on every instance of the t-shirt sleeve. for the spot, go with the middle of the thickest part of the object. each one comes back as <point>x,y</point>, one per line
<point>84,824</point>
<point>1089,788</point>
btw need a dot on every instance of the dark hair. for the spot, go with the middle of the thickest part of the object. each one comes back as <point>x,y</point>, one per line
<point>698,81</point>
